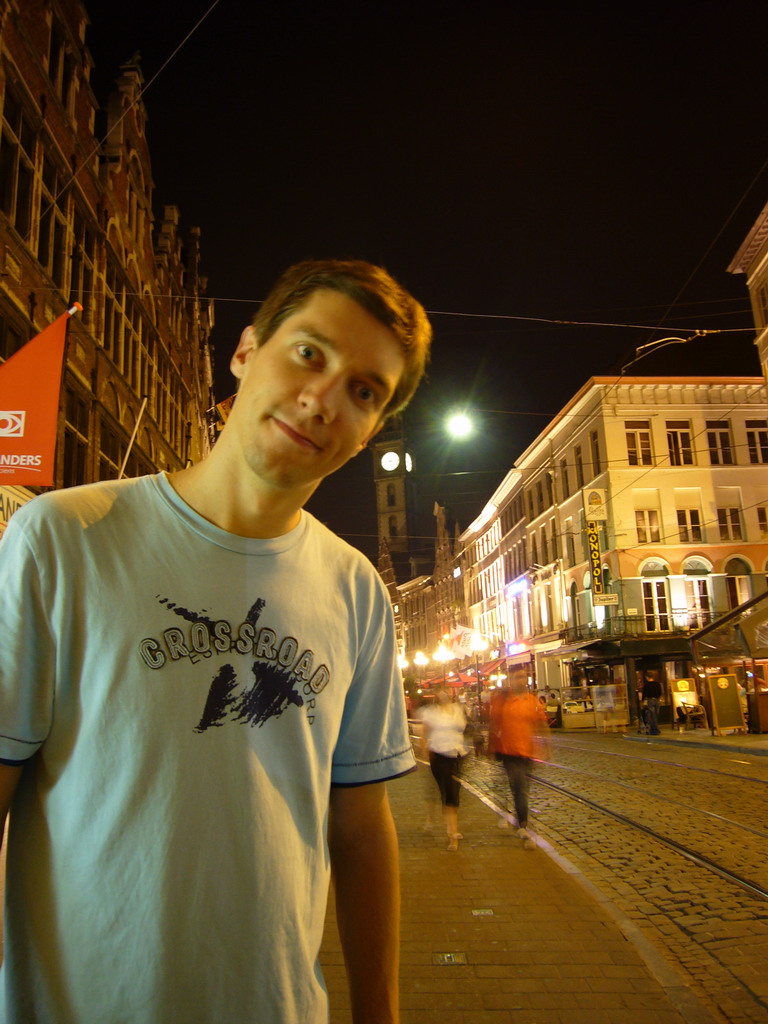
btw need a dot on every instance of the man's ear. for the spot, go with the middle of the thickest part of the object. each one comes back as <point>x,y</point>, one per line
<point>245,346</point>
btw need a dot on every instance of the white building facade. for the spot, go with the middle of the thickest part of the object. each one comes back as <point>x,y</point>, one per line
<point>638,516</point>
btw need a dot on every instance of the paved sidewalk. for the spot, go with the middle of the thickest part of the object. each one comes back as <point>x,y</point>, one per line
<point>527,942</point>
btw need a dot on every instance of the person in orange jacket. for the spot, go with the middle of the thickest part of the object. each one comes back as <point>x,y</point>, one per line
<point>517,720</point>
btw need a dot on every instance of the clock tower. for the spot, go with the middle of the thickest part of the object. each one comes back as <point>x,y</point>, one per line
<point>392,474</point>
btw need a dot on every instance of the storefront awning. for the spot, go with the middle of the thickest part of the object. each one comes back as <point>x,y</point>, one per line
<point>742,632</point>
<point>493,666</point>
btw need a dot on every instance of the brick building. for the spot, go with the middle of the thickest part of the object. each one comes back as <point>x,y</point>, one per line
<point>76,223</point>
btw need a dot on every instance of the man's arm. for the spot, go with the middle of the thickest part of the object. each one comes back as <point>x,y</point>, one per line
<point>364,858</point>
<point>9,777</point>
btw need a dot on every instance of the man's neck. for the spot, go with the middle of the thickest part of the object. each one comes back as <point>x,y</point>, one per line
<point>239,507</point>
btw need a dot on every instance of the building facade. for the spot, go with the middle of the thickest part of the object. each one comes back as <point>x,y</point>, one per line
<point>637,517</point>
<point>76,224</point>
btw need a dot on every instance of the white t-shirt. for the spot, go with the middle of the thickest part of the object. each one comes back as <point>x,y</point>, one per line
<point>187,698</point>
<point>445,724</point>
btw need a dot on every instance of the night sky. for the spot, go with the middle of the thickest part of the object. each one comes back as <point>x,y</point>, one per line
<point>510,163</point>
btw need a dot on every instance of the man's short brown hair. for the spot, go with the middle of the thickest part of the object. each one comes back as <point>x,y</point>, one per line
<point>371,287</point>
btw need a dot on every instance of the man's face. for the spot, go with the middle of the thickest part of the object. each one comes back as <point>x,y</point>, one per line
<point>313,395</point>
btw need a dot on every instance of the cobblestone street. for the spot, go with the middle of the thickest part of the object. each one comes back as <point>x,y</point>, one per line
<point>715,932</point>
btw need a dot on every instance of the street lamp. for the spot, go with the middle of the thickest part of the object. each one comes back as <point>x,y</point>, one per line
<point>477,644</point>
<point>652,346</point>
<point>444,655</point>
<point>420,660</point>
<point>460,425</point>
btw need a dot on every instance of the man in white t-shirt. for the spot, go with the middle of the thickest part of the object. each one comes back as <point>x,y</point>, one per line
<point>200,701</point>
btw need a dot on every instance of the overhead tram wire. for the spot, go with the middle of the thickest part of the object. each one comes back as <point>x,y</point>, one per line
<point>711,245</point>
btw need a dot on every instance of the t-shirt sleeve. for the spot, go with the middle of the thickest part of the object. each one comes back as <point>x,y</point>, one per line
<point>26,651</point>
<point>374,743</point>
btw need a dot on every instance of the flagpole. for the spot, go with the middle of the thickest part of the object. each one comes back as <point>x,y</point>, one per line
<point>133,437</point>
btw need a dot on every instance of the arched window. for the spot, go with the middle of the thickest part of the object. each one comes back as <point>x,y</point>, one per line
<point>656,596</point>
<point>738,582</point>
<point>697,592</point>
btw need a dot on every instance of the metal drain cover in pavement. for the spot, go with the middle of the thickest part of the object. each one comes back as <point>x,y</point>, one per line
<point>449,958</point>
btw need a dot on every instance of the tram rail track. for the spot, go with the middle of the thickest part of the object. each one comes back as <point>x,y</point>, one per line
<point>665,799</point>
<point>661,761</point>
<point>699,859</point>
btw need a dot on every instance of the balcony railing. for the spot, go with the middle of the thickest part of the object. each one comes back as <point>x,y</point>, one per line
<point>677,622</point>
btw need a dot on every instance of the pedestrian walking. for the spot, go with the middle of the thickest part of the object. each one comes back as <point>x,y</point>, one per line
<point>517,719</point>
<point>442,741</point>
<point>651,697</point>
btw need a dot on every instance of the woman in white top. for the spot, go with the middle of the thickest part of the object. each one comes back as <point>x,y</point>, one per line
<point>442,736</point>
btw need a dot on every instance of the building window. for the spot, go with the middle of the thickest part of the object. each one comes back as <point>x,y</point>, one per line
<point>17,157</point>
<point>76,434</point>
<point>390,494</point>
<point>719,443</point>
<point>647,523</point>
<point>539,497</point>
<point>51,245</point>
<point>762,520</point>
<point>113,313</point>
<point>729,521</point>
<point>531,514</point>
<point>689,525</point>
<point>757,441</point>
<point>550,491</point>
<point>738,582</point>
<point>11,338</point>
<point>555,541</point>
<point>697,603</point>
<point>393,526</point>
<point>579,466</point>
<point>638,434</point>
<point>544,546</point>
<point>655,605</point>
<point>679,443</point>
<point>564,480</point>
<point>61,66</point>
<point>83,259</point>
<point>594,442</point>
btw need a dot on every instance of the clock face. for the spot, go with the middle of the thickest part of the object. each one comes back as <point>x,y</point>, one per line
<point>390,461</point>
<point>408,462</point>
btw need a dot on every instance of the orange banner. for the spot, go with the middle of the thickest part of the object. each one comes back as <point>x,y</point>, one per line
<point>30,383</point>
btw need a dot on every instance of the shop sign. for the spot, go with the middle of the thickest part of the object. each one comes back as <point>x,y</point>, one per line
<point>605,599</point>
<point>594,504</point>
<point>725,702</point>
<point>595,567</point>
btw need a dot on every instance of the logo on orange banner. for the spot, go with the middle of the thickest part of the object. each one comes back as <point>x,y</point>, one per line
<point>30,383</point>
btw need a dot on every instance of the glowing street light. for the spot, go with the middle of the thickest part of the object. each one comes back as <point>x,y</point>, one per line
<point>420,660</point>
<point>444,655</point>
<point>459,425</point>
